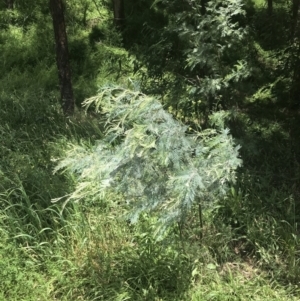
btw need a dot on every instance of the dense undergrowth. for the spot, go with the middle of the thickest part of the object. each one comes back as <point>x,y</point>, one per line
<point>250,248</point>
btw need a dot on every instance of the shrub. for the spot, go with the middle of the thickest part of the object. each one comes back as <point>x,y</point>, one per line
<point>154,162</point>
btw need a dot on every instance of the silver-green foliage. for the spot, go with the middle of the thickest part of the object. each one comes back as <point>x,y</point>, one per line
<point>153,161</point>
<point>214,43</point>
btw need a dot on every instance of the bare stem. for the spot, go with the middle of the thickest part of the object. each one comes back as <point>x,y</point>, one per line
<point>200,220</point>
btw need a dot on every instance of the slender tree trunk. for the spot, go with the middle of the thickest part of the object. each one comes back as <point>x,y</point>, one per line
<point>295,13</point>
<point>203,7</point>
<point>270,7</point>
<point>200,220</point>
<point>295,38</point>
<point>10,4</point>
<point>119,13</point>
<point>295,90</point>
<point>62,56</point>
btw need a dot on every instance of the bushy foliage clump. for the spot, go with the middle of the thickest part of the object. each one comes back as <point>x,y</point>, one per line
<point>215,41</point>
<point>198,58</point>
<point>153,161</point>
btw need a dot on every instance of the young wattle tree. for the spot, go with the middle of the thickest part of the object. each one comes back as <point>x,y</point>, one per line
<point>210,44</point>
<point>210,40</point>
<point>152,161</point>
<point>62,56</point>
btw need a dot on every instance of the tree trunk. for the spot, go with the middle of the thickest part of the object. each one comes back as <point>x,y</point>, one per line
<point>10,4</point>
<point>270,7</point>
<point>295,38</point>
<point>203,7</point>
<point>295,90</point>
<point>62,56</point>
<point>295,12</point>
<point>119,13</point>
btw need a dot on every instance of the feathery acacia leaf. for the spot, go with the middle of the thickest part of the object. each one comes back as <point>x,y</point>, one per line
<point>149,159</point>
